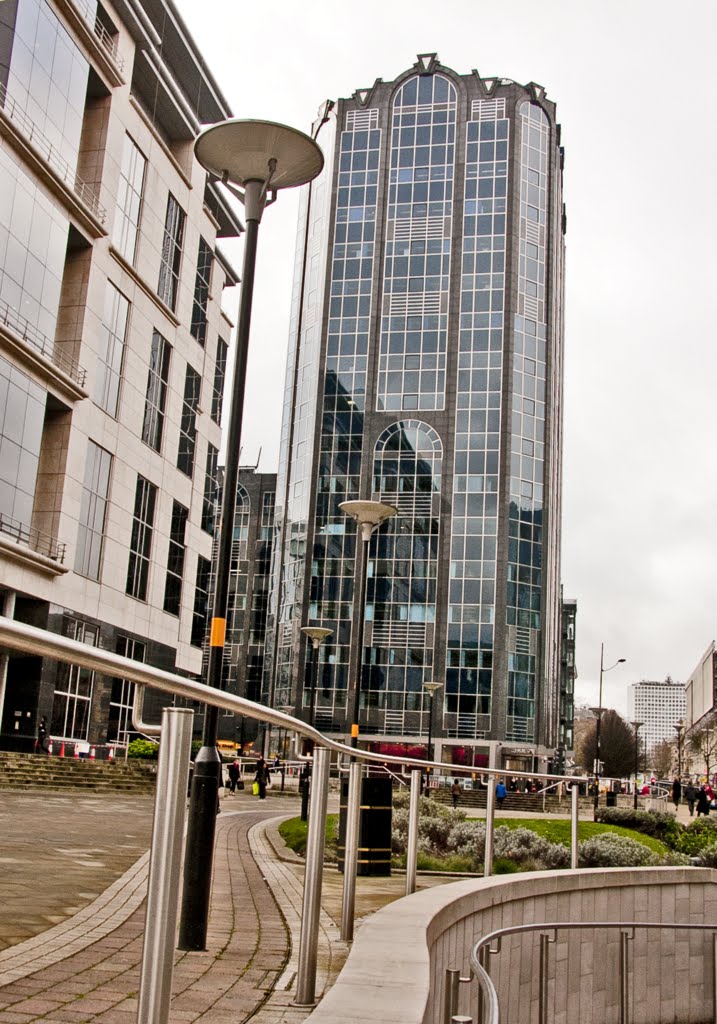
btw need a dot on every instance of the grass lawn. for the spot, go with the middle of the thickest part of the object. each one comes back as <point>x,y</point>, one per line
<point>557,830</point>
<point>294,832</point>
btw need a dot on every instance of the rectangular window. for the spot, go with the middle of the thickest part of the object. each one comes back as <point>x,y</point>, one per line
<point>93,511</point>
<point>141,542</point>
<point>201,292</point>
<point>129,200</point>
<point>211,484</point>
<point>113,332</point>
<point>267,514</point>
<point>171,253</point>
<point>119,724</point>
<point>156,397</point>
<point>73,688</point>
<point>220,368</point>
<point>175,559</point>
<point>188,424</point>
<point>201,602</point>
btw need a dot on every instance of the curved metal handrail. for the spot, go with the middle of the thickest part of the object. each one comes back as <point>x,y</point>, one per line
<point>22,637</point>
<point>485,946</point>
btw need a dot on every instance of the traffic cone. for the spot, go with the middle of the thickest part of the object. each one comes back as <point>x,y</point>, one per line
<point>49,747</point>
<point>111,754</point>
<point>92,753</point>
<point>77,751</point>
<point>62,750</point>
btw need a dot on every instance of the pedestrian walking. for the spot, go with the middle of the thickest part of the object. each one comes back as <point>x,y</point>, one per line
<point>690,794</point>
<point>455,793</point>
<point>262,777</point>
<point>500,792</point>
<point>43,739</point>
<point>233,772</point>
<point>676,792</point>
<point>703,802</point>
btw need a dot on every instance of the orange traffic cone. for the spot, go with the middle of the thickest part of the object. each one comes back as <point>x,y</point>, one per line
<point>77,751</point>
<point>111,754</point>
<point>92,753</point>
<point>49,747</point>
<point>62,750</point>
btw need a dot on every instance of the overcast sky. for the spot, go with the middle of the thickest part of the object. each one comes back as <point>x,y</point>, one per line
<point>634,84</point>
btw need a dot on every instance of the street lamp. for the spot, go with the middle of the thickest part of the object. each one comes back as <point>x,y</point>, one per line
<point>679,729</point>
<point>317,635</point>
<point>636,727</point>
<point>603,670</point>
<point>368,515</point>
<point>430,687</point>
<point>254,159</point>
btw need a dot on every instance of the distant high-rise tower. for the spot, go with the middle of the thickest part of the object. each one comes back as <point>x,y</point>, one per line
<point>425,370</point>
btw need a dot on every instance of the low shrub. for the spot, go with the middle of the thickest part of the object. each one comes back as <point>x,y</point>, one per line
<point>612,851</point>
<point>708,856</point>
<point>699,834</point>
<point>660,824</point>
<point>529,850</point>
<point>143,749</point>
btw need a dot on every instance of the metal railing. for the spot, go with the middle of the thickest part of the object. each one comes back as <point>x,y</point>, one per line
<point>107,41</point>
<point>490,945</point>
<point>159,930</point>
<point>42,543</point>
<point>55,354</point>
<point>49,152</point>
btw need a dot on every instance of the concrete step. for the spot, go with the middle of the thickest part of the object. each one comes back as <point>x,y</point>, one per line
<point>27,771</point>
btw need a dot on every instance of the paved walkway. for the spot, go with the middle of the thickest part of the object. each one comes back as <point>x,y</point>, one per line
<point>86,968</point>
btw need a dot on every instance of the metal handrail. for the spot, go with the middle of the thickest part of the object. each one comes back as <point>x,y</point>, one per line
<point>37,541</point>
<point>490,945</point>
<point>23,637</point>
<point>49,152</point>
<point>29,333</point>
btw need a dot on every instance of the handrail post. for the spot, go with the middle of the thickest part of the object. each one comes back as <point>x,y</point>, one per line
<point>543,980</point>
<point>714,978</point>
<point>311,909</point>
<point>489,818</point>
<point>351,840</point>
<point>574,815</point>
<point>450,995</point>
<point>155,986</point>
<point>623,977</point>
<point>412,844</point>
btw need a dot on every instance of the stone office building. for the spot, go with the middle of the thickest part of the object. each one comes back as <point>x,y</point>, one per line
<point>426,371</point>
<point>113,347</point>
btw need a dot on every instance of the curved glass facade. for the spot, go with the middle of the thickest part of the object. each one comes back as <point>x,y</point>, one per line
<point>440,374</point>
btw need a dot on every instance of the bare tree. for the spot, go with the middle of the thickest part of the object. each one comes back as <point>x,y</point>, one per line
<point>617,746</point>
<point>662,759</point>
<point>703,743</point>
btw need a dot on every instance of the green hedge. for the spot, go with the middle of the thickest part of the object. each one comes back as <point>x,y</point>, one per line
<point>143,749</point>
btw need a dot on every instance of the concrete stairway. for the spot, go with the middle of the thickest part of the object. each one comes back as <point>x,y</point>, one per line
<point>38,771</point>
<point>513,802</point>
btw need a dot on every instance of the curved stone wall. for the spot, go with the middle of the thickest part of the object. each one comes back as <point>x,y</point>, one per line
<point>395,972</point>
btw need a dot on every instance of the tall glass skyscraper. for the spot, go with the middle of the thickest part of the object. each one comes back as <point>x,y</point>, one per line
<point>425,370</point>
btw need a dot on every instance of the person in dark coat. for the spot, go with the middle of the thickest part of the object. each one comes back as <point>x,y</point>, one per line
<point>234,773</point>
<point>676,792</point>
<point>690,794</point>
<point>263,777</point>
<point>703,802</point>
<point>42,736</point>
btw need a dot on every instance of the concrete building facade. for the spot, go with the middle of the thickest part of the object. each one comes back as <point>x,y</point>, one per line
<point>425,370</point>
<point>113,345</point>
<point>659,706</point>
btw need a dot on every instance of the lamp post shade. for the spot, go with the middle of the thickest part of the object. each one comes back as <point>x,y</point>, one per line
<point>431,687</point>
<point>240,150</point>
<point>316,634</point>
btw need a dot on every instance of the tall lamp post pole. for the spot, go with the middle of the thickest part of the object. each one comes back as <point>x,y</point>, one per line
<point>636,727</point>
<point>679,729</point>
<point>431,688</point>
<point>260,158</point>
<point>368,516</point>
<point>598,766</point>
<point>317,635</point>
